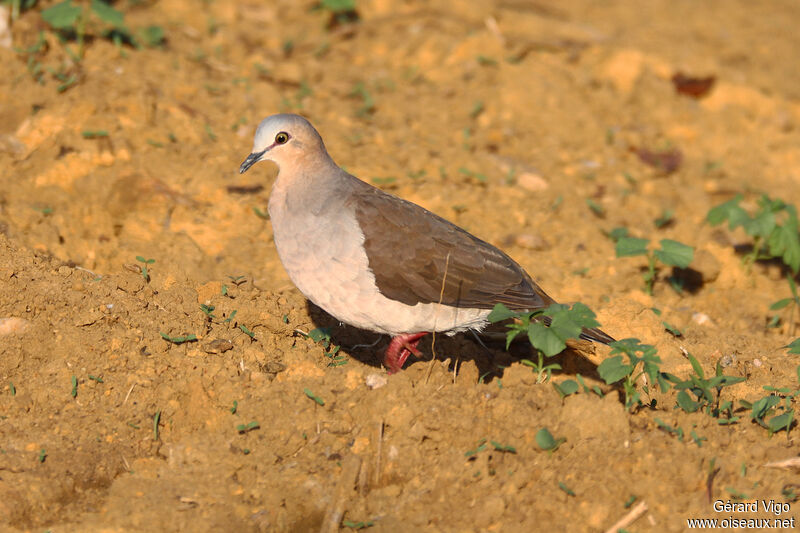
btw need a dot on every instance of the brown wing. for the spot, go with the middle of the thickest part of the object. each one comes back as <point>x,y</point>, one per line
<point>413,253</point>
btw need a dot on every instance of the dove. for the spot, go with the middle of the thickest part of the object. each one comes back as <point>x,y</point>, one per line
<point>375,261</point>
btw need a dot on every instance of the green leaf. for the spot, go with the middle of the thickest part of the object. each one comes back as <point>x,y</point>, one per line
<point>686,403</point>
<point>631,246</point>
<point>761,225</point>
<point>546,441</point>
<point>729,211</point>
<point>672,329</point>
<point>107,14</point>
<point>696,366</point>
<point>613,369</point>
<point>780,304</point>
<point>675,253</point>
<point>566,387</point>
<point>500,313</point>
<point>779,422</point>
<point>794,346</point>
<point>596,208</point>
<point>339,6</point>
<point>762,406</point>
<point>545,339</point>
<point>618,233</point>
<point>565,488</point>
<point>62,15</point>
<point>784,241</point>
<point>565,324</point>
<point>319,334</point>
<point>153,36</point>
<point>579,314</point>
<point>314,397</point>
<point>503,447</point>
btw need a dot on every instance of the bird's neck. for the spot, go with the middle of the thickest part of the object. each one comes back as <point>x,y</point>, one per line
<point>304,185</point>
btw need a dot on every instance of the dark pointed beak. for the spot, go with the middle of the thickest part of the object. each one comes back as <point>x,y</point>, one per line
<point>251,160</point>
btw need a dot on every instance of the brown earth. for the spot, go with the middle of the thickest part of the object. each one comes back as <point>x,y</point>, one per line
<point>503,116</point>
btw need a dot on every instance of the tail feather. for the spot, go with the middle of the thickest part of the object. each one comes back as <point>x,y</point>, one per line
<point>596,335</point>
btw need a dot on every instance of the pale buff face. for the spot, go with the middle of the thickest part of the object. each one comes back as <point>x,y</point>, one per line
<point>286,140</point>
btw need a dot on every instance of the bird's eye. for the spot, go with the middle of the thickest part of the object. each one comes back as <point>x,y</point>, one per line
<point>281,138</point>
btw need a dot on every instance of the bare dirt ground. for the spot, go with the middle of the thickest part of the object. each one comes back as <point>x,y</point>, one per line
<point>502,116</point>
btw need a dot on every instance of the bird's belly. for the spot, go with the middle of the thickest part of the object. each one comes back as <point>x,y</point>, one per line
<point>330,267</point>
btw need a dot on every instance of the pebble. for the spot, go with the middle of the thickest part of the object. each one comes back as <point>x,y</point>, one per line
<point>13,325</point>
<point>376,381</point>
<point>531,182</point>
<point>702,319</point>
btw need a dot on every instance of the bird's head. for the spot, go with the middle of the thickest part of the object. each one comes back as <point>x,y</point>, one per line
<point>286,140</point>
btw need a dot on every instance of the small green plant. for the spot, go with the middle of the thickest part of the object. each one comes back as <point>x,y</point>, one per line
<point>482,445</point>
<point>597,210</point>
<point>641,358</point>
<point>323,336</point>
<point>247,331</point>
<point>74,392</point>
<point>85,19</point>
<point>566,489</point>
<point>477,109</point>
<point>246,428</point>
<point>367,101</point>
<point>547,330</point>
<point>314,397</point>
<point>546,441</point>
<point>145,273</point>
<point>594,388</point>
<point>697,439</point>
<point>666,218</point>
<point>340,11</point>
<point>237,280</point>
<point>543,371</point>
<point>503,448</point>
<point>773,227</point>
<point>357,525</point>
<point>671,253</point>
<point>478,449</point>
<point>472,174</point>
<point>563,322</point>
<point>663,426</point>
<point>700,394</point>
<point>178,340</point>
<point>77,21</point>
<point>18,6</point>
<point>566,387</point>
<point>779,401</point>
<point>792,302</point>
<point>94,134</point>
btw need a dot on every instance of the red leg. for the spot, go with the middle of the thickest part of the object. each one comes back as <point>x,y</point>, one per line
<point>400,348</point>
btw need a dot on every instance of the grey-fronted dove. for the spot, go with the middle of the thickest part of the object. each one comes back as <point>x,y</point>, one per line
<point>376,261</point>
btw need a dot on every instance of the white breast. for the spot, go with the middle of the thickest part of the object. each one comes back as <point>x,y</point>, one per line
<point>325,258</point>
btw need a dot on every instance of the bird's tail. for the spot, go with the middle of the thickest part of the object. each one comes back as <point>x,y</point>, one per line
<point>596,335</point>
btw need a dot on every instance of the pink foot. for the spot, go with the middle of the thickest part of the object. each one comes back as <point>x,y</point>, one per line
<point>400,348</point>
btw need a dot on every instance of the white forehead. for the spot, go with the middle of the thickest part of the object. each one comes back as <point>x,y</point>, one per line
<point>294,125</point>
